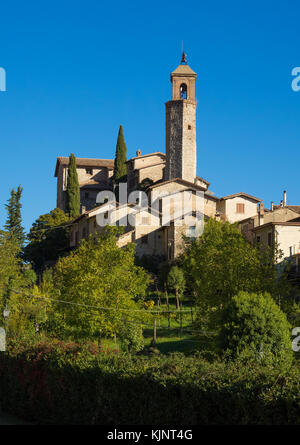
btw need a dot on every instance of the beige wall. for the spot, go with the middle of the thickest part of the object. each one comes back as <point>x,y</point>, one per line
<point>288,237</point>
<point>228,208</point>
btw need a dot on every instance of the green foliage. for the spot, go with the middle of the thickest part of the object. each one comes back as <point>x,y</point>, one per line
<point>13,223</point>
<point>253,325</point>
<point>176,281</point>
<point>120,169</point>
<point>145,183</point>
<point>73,189</point>
<point>99,274</point>
<point>48,239</point>
<point>66,383</point>
<point>221,263</point>
<point>131,337</point>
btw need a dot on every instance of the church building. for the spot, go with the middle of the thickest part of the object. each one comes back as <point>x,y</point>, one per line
<point>168,174</point>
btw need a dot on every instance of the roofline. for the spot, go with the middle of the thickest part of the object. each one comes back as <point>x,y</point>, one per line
<point>59,161</point>
<point>191,184</point>
<point>235,195</point>
<point>272,223</point>
<point>203,180</point>
<point>147,155</point>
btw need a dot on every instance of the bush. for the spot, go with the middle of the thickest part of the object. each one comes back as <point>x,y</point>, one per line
<point>253,325</point>
<point>72,384</point>
<point>131,338</point>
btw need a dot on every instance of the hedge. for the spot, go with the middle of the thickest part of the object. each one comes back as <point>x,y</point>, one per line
<point>67,384</point>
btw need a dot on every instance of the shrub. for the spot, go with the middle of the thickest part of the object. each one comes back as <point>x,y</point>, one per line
<point>73,384</point>
<point>253,325</point>
<point>131,337</point>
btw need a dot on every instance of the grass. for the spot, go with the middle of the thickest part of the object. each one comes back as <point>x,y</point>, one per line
<point>176,335</point>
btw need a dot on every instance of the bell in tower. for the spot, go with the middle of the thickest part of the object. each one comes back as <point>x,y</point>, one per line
<point>181,125</point>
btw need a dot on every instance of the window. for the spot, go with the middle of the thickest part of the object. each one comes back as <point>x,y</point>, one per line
<point>89,171</point>
<point>144,239</point>
<point>240,208</point>
<point>192,232</point>
<point>270,239</point>
<point>183,91</point>
<point>258,239</point>
<point>189,127</point>
<point>84,232</point>
<point>291,250</point>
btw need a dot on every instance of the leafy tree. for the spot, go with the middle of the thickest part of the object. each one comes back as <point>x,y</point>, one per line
<point>16,281</point>
<point>73,189</point>
<point>99,274</point>
<point>221,263</point>
<point>48,239</point>
<point>255,325</point>
<point>145,183</point>
<point>120,169</point>
<point>14,220</point>
<point>176,281</point>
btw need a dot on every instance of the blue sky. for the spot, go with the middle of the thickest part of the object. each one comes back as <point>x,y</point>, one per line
<point>76,70</point>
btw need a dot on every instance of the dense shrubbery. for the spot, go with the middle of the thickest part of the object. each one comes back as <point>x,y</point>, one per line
<point>253,324</point>
<point>70,384</point>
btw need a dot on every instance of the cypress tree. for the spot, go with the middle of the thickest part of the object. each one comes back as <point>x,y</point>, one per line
<point>120,169</point>
<point>13,223</point>
<point>73,189</point>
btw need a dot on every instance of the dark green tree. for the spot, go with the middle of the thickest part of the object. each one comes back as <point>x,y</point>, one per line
<point>73,189</point>
<point>13,223</point>
<point>253,324</point>
<point>120,170</point>
<point>48,239</point>
<point>176,282</point>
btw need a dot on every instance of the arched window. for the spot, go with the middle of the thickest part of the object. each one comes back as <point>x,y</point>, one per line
<point>183,91</point>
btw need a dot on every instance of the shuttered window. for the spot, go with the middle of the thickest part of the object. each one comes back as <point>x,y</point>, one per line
<point>240,208</point>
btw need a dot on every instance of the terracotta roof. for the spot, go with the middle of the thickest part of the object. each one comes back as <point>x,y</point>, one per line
<point>182,181</point>
<point>85,162</point>
<point>241,194</point>
<point>294,208</point>
<point>287,223</point>
<point>183,70</point>
<point>203,180</point>
<point>156,153</point>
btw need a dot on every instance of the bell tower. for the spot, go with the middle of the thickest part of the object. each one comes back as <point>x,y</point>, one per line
<point>181,125</point>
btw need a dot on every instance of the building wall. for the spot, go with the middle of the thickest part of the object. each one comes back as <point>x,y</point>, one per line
<point>181,140</point>
<point>228,207</point>
<point>102,175</point>
<point>288,237</point>
<point>154,172</point>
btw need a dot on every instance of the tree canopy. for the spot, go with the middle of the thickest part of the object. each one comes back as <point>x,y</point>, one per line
<point>99,274</point>
<point>221,263</point>
<point>255,325</point>
<point>48,239</point>
<point>120,169</point>
<point>13,223</point>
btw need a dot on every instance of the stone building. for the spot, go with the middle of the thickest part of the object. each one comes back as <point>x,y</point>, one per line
<point>166,178</point>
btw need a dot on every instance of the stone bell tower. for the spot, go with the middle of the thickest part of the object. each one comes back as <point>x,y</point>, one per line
<point>181,125</point>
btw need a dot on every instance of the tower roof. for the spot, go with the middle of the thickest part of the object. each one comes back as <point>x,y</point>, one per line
<point>183,70</point>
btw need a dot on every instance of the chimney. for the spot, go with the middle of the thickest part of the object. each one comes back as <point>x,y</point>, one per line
<point>139,153</point>
<point>272,206</point>
<point>261,213</point>
<point>284,198</point>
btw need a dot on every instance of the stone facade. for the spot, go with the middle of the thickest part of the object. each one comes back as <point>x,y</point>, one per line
<point>94,175</point>
<point>181,126</point>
